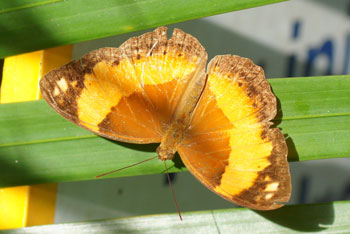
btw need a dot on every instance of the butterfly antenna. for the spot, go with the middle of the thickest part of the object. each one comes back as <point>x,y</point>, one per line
<point>172,191</point>
<point>149,159</point>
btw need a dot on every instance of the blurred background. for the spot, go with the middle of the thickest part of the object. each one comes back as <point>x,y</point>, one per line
<point>286,42</point>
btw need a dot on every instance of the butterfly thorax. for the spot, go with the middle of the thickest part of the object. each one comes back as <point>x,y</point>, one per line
<point>171,139</point>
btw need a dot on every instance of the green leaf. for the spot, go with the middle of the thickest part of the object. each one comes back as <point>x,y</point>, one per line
<point>327,217</point>
<point>49,23</point>
<point>37,145</point>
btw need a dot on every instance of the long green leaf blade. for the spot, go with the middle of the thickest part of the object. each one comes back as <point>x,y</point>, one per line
<point>49,23</point>
<point>37,145</point>
<point>327,217</point>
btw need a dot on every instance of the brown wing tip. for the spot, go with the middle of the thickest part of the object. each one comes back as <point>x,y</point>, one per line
<point>160,30</point>
<point>187,44</point>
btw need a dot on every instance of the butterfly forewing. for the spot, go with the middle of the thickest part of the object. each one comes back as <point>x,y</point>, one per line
<point>128,93</point>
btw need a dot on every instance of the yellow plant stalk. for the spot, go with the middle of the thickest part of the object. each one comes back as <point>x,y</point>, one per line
<point>28,205</point>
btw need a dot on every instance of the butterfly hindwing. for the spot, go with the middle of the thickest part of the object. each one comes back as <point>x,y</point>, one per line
<point>229,145</point>
<point>128,93</point>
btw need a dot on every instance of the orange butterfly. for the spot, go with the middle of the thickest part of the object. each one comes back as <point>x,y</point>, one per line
<point>153,89</point>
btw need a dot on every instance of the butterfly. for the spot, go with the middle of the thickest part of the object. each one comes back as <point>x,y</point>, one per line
<point>157,90</point>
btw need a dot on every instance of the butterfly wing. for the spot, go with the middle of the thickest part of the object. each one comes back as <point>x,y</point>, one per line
<point>127,93</point>
<point>229,145</point>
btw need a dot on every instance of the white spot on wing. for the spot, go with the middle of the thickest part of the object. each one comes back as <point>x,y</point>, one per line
<point>268,196</point>
<point>62,84</point>
<point>272,187</point>
<point>56,91</point>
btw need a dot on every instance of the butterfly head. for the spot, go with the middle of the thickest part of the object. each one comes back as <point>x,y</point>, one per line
<point>165,153</point>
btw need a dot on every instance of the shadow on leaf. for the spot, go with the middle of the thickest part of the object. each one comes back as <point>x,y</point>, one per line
<point>309,218</point>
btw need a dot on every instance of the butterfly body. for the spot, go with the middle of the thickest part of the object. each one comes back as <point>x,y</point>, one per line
<point>157,90</point>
